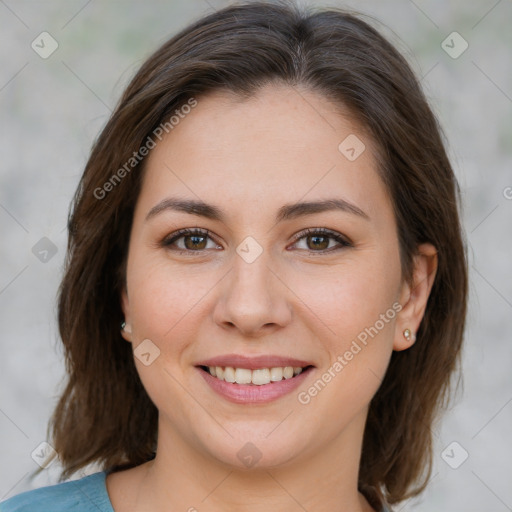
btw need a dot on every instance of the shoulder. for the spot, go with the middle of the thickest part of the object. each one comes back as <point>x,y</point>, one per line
<point>87,493</point>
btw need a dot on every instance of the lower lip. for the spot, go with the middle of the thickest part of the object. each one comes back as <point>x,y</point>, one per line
<point>251,393</point>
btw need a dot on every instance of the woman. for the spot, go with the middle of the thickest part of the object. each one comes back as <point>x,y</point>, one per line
<point>265,289</point>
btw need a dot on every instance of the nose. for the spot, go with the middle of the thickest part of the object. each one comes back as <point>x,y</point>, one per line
<point>253,299</point>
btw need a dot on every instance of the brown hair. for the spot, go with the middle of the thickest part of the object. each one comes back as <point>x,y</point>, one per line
<point>104,414</point>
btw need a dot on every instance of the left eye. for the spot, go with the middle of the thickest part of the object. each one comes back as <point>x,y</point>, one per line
<point>320,240</point>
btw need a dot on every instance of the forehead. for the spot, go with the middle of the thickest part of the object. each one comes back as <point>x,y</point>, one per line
<point>280,145</point>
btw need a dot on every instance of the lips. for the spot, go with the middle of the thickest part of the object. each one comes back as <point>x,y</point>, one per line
<point>259,379</point>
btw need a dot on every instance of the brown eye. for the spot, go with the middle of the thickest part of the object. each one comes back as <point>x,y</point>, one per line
<point>194,240</point>
<point>318,240</point>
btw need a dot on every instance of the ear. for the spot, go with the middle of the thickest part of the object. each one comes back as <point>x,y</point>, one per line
<point>126,333</point>
<point>414,296</point>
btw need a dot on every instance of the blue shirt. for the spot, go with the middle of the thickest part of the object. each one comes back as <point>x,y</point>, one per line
<point>88,494</point>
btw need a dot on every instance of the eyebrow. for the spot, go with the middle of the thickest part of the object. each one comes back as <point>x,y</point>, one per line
<point>286,212</point>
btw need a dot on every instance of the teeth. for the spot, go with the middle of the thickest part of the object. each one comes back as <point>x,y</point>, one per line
<point>229,374</point>
<point>288,372</point>
<point>276,374</point>
<point>260,377</point>
<point>257,377</point>
<point>243,376</point>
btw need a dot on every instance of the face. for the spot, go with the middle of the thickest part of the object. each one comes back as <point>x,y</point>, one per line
<point>263,283</point>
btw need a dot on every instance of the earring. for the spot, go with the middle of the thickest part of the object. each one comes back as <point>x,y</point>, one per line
<point>408,335</point>
<point>125,328</point>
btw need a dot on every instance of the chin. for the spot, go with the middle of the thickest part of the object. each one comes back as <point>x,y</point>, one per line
<point>253,452</point>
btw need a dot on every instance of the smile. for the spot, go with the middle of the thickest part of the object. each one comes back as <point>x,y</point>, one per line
<point>244,386</point>
<point>257,377</point>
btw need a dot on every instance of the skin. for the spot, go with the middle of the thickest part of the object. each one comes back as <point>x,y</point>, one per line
<point>249,158</point>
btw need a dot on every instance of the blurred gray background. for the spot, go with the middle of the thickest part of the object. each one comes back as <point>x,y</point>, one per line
<point>52,109</point>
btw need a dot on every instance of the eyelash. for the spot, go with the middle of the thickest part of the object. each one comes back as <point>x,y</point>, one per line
<point>344,242</point>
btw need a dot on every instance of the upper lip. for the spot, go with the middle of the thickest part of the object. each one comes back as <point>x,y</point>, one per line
<point>253,363</point>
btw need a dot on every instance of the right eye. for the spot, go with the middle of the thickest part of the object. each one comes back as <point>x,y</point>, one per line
<point>195,240</point>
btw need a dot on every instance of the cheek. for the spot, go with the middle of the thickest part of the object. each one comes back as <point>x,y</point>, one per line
<point>163,304</point>
<point>358,344</point>
<point>163,300</point>
<point>354,318</point>
<point>346,299</point>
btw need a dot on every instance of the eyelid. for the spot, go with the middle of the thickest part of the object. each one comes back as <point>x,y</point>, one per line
<point>181,233</point>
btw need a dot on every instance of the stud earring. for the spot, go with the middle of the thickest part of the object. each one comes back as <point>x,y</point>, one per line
<point>408,335</point>
<point>126,328</point>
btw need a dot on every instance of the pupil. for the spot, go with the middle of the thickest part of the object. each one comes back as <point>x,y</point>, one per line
<point>195,238</point>
<point>316,238</point>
